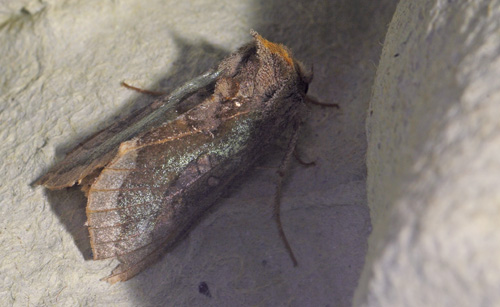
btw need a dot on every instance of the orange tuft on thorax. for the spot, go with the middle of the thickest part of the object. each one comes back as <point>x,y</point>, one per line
<point>278,49</point>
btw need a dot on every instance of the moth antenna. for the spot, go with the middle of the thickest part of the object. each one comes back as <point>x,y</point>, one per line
<point>277,199</point>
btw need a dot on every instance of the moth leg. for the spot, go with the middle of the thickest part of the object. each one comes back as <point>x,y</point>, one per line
<point>314,101</point>
<point>277,197</point>
<point>140,90</point>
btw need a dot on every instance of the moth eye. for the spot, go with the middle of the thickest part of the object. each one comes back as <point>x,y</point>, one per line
<point>237,103</point>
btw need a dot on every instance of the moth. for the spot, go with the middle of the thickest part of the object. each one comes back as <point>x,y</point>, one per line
<point>151,176</point>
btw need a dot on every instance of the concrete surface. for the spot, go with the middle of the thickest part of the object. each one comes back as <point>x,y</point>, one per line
<point>434,159</point>
<point>60,69</point>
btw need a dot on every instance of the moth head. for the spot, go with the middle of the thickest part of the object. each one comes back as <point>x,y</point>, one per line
<point>278,67</point>
<point>305,74</point>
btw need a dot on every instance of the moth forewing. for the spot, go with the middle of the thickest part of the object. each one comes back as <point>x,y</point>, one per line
<point>162,175</point>
<point>98,150</point>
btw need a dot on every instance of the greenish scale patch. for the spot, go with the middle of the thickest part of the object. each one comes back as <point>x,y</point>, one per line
<point>236,140</point>
<point>225,147</point>
<point>145,205</point>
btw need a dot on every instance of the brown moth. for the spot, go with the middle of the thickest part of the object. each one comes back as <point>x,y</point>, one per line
<point>149,177</point>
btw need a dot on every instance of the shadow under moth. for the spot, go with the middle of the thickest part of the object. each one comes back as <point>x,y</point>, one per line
<point>150,176</point>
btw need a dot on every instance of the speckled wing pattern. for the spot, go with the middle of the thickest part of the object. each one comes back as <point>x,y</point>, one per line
<point>156,185</point>
<point>141,202</point>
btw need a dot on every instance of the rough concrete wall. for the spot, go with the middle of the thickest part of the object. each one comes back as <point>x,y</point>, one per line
<point>434,159</point>
<point>60,67</point>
